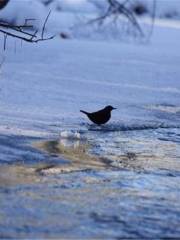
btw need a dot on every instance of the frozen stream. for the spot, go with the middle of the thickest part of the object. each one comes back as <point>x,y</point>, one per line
<point>60,176</point>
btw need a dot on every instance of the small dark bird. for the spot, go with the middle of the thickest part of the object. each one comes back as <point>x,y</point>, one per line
<point>100,117</point>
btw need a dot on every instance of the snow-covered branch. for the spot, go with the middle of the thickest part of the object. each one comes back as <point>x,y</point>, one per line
<point>23,32</point>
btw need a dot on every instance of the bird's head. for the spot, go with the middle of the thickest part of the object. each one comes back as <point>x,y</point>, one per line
<point>109,108</point>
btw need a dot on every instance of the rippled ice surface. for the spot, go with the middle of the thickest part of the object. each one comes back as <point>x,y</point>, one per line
<point>133,192</point>
<point>62,177</point>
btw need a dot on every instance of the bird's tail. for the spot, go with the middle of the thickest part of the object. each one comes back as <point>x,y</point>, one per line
<point>84,112</point>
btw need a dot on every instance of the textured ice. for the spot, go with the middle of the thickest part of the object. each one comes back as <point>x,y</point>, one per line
<point>61,176</point>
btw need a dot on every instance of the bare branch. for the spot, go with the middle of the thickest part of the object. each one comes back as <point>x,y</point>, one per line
<point>7,25</point>
<point>116,9</point>
<point>44,25</point>
<point>31,40</point>
<point>5,40</point>
<point>21,31</point>
<point>153,18</point>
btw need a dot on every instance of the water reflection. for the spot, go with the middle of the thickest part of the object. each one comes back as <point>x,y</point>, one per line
<point>138,150</point>
<point>74,150</point>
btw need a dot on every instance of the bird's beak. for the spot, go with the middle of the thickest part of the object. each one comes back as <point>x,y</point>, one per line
<point>114,108</point>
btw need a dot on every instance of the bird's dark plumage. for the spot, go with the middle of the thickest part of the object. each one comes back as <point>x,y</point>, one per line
<point>100,117</point>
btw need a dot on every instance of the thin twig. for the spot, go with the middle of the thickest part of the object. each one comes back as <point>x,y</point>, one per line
<point>115,9</point>
<point>20,32</point>
<point>7,25</point>
<point>5,39</point>
<point>153,19</point>
<point>24,38</point>
<point>44,25</point>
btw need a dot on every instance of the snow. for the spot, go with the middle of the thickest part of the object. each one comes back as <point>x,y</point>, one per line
<point>45,91</point>
<point>18,11</point>
<point>42,88</point>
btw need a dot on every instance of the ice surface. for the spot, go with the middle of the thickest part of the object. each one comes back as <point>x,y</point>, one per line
<point>120,180</point>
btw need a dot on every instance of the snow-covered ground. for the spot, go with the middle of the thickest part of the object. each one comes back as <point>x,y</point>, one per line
<point>62,177</point>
